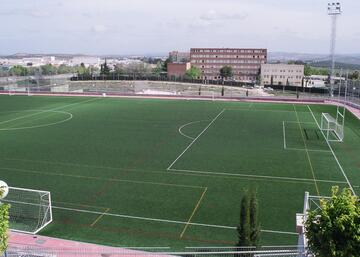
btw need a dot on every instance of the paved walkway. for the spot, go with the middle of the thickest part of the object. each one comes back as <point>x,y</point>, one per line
<point>52,247</point>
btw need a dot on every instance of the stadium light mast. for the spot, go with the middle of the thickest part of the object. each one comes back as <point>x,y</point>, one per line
<point>334,10</point>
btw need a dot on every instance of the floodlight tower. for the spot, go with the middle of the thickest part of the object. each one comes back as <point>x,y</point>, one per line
<point>334,10</point>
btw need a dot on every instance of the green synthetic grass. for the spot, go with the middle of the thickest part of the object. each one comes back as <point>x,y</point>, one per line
<point>112,156</point>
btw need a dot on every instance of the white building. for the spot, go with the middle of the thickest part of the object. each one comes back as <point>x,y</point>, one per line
<point>86,60</point>
<point>282,74</point>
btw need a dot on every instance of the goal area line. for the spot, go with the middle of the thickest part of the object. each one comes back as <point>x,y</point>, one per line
<point>298,149</point>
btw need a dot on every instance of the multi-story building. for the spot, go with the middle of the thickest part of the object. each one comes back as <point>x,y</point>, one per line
<point>282,74</point>
<point>177,56</point>
<point>246,63</point>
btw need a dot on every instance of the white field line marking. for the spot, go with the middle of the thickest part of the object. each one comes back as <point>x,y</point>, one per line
<point>158,220</point>
<point>193,213</point>
<point>187,124</point>
<point>279,232</point>
<point>301,122</point>
<point>307,152</point>
<point>310,150</point>
<point>99,178</point>
<point>152,171</point>
<point>332,151</point>
<point>54,109</point>
<point>251,105</point>
<point>299,149</point>
<point>257,110</point>
<point>202,132</point>
<point>70,116</point>
<point>284,135</point>
<point>99,218</point>
<point>142,218</point>
<point>258,176</point>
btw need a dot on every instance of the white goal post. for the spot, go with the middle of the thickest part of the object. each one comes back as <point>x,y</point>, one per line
<point>30,210</point>
<point>333,128</point>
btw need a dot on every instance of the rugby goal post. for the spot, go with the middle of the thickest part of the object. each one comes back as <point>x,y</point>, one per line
<point>30,210</point>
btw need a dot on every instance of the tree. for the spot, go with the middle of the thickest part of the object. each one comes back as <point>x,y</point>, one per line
<point>82,70</point>
<point>18,70</point>
<point>193,73</point>
<point>248,229</point>
<point>272,80</point>
<point>48,69</point>
<point>355,75</point>
<point>254,224</point>
<point>4,224</point>
<point>244,227</point>
<point>226,72</point>
<point>287,82</point>
<point>104,69</point>
<point>333,230</point>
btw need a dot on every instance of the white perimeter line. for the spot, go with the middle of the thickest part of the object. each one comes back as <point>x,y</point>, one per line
<point>336,159</point>
<point>162,220</point>
<point>202,132</point>
<point>284,135</point>
<point>258,176</point>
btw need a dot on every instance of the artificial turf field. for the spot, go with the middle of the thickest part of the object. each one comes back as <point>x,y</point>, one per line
<point>158,173</point>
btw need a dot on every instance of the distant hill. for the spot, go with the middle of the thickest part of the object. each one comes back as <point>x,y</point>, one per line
<point>338,65</point>
<point>321,59</point>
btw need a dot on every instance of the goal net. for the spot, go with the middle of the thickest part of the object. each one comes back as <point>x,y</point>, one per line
<point>30,210</point>
<point>333,128</point>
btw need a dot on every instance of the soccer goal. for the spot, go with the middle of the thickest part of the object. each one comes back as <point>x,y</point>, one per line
<point>30,210</point>
<point>333,128</point>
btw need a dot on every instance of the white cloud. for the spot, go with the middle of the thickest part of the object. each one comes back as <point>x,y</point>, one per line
<point>213,15</point>
<point>99,28</point>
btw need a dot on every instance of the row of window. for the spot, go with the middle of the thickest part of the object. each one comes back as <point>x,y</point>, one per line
<point>290,71</point>
<point>227,51</point>
<point>228,56</point>
<point>252,72</point>
<point>283,77</point>
<point>228,61</point>
<point>251,67</point>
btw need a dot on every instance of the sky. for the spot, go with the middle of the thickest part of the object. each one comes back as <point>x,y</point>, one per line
<point>159,26</point>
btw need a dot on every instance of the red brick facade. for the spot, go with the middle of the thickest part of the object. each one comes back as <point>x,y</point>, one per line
<point>177,69</point>
<point>246,63</point>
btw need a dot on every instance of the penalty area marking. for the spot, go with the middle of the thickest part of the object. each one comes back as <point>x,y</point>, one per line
<point>196,138</point>
<point>332,151</point>
<point>69,117</point>
<point>188,124</point>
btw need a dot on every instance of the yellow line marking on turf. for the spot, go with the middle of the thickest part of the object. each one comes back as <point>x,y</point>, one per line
<point>307,152</point>
<point>98,218</point>
<point>193,213</point>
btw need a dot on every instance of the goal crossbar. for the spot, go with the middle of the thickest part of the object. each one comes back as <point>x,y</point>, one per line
<point>30,210</point>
